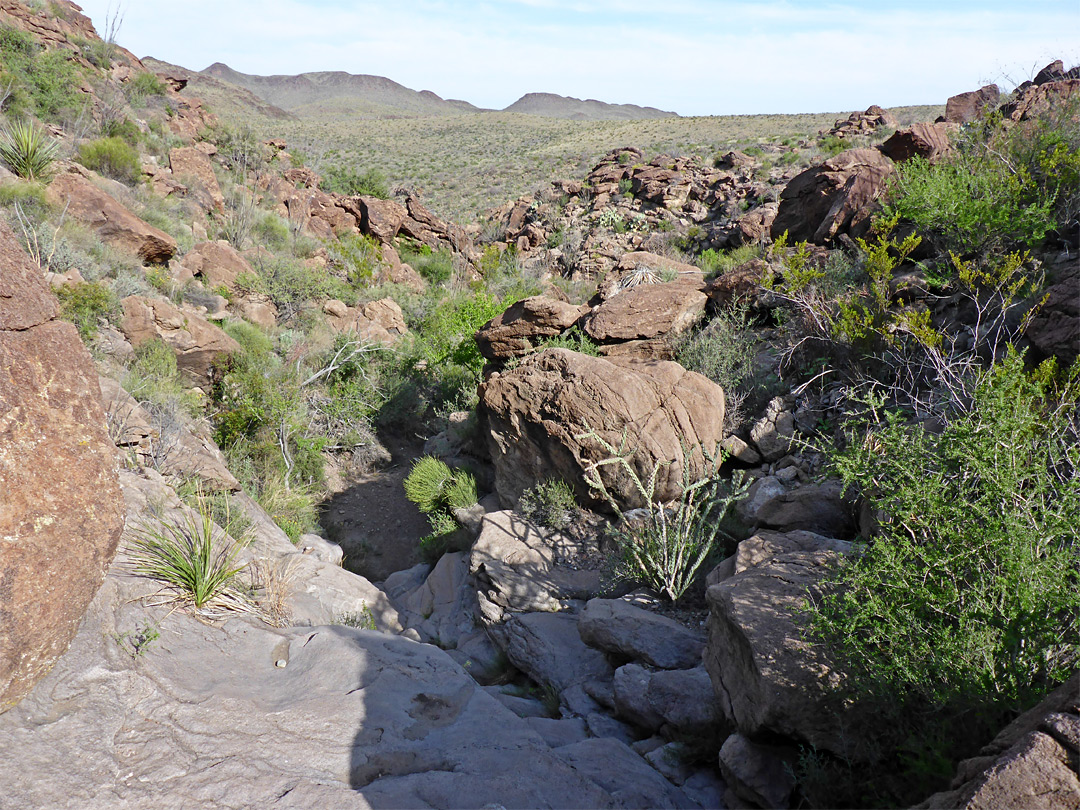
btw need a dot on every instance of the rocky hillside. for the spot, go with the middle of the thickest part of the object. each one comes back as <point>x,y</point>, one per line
<point>748,483</point>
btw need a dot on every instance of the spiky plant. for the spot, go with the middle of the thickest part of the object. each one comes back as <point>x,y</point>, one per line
<point>27,150</point>
<point>184,556</point>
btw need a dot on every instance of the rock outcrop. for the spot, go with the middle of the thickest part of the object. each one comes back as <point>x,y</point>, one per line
<point>534,418</point>
<point>964,108</point>
<point>196,342</point>
<point>834,198</point>
<point>518,330</point>
<point>87,204</point>
<point>767,677</point>
<point>60,512</point>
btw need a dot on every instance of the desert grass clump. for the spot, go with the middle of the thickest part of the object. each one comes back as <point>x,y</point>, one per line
<point>438,491</point>
<point>193,560</point>
<point>28,151</point>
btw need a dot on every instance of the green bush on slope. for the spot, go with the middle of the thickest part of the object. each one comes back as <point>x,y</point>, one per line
<point>962,610</point>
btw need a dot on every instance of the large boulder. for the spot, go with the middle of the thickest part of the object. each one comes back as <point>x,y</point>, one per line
<point>216,263</point>
<point>674,701</point>
<point>86,203</point>
<point>515,564</point>
<point>964,108</point>
<point>631,632</point>
<point>192,166</point>
<point>376,321</point>
<point>380,218</point>
<point>767,676</point>
<point>548,648</point>
<point>536,415</point>
<point>647,311</point>
<point>516,331</point>
<point>196,342</point>
<point>836,197</point>
<point>924,140</point>
<point>1038,100</point>
<point>1055,329</point>
<point>60,513</point>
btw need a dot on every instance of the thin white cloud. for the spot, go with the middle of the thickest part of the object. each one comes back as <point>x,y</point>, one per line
<point>692,56</point>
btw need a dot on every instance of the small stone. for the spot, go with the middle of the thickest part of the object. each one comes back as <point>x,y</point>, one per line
<point>281,663</point>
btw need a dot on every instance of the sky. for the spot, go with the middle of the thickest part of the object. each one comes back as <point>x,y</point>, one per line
<point>694,57</point>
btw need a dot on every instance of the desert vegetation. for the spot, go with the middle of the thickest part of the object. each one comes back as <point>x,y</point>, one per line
<point>699,397</point>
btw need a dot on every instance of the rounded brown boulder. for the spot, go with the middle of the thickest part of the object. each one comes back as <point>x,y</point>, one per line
<point>61,513</point>
<point>535,418</point>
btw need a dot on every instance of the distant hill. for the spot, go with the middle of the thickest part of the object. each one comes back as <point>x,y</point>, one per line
<point>574,109</point>
<point>224,98</point>
<point>336,93</point>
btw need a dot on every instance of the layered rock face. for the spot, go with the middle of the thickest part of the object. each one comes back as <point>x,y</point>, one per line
<point>60,509</point>
<point>535,416</point>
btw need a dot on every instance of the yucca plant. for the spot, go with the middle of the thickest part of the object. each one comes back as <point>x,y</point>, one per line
<point>27,150</point>
<point>184,555</point>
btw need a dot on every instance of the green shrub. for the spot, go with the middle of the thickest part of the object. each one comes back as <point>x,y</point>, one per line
<point>124,128</point>
<point>437,266</point>
<point>962,611</point>
<point>40,81</point>
<point>356,257</point>
<point>550,504</point>
<point>724,352</point>
<point>831,145</point>
<point>350,183</point>
<point>144,85</point>
<point>1001,187</point>
<point>271,231</point>
<point>28,151</point>
<point>573,339</point>
<point>86,304</point>
<point>437,491</point>
<point>154,379</point>
<point>112,157</point>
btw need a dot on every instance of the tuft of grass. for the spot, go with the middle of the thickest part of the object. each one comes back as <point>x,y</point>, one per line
<point>185,556</point>
<point>28,151</point>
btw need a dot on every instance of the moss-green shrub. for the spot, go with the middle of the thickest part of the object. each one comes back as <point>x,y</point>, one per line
<point>962,610</point>
<point>85,304</point>
<point>143,86</point>
<point>112,157</point>
<point>123,128</point>
<point>437,266</point>
<point>550,504</point>
<point>154,379</point>
<point>42,82</point>
<point>437,490</point>
<point>1001,187</point>
<point>349,182</point>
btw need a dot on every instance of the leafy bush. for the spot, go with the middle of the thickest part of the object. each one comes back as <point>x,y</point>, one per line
<point>550,504</point>
<point>144,85</point>
<point>112,157</point>
<point>357,257</point>
<point>271,231</point>
<point>665,548</point>
<point>28,151</point>
<point>1001,187</point>
<point>86,304</point>
<point>573,339</point>
<point>437,266</point>
<point>978,551</point>
<point>38,81</point>
<point>154,379</point>
<point>123,128</point>
<point>350,183</point>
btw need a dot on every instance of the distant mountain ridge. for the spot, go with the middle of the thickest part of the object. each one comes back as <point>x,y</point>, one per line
<point>375,95</point>
<point>553,106</point>
<point>341,93</point>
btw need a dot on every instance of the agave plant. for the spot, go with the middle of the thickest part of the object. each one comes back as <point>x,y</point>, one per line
<point>27,150</point>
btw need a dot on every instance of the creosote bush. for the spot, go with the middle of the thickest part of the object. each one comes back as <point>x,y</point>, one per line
<point>962,610</point>
<point>112,157</point>
<point>86,304</point>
